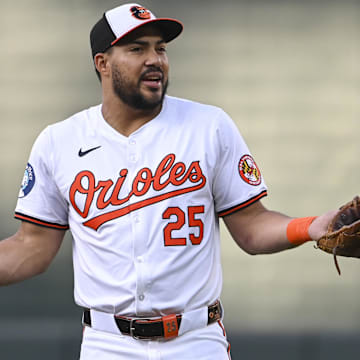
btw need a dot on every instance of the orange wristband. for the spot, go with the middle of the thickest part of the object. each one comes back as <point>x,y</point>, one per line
<point>297,230</point>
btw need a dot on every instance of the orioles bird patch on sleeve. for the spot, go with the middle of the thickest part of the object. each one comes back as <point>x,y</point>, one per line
<point>249,171</point>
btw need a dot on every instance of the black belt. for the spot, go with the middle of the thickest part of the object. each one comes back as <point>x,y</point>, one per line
<point>163,327</point>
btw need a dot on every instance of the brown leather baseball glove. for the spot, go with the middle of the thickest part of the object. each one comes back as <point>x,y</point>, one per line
<point>343,234</point>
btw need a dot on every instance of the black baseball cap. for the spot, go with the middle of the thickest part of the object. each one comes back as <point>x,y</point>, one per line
<point>122,20</point>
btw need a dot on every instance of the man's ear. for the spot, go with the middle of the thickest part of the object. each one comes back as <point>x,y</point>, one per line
<point>102,64</point>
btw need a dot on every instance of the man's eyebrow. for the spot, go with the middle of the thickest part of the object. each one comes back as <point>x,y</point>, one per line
<point>142,42</point>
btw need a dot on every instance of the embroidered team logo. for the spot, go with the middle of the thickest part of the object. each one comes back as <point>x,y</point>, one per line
<point>28,181</point>
<point>170,179</point>
<point>249,171</point>
<point>140,13</point>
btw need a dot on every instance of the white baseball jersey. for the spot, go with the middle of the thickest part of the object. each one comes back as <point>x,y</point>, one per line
<point>143,210</point>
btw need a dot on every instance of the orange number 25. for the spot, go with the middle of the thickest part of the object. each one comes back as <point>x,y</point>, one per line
<point>193,222</point>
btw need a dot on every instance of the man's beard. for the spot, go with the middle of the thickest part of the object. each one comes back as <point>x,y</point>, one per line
<point>131,95</point>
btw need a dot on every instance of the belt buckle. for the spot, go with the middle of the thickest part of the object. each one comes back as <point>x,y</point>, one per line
<point>132,329</point>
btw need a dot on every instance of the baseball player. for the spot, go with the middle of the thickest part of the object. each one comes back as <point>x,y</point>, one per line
<point>141,181</point>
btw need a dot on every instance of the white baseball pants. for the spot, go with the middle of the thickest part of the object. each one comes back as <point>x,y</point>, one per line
<point>208,343</point>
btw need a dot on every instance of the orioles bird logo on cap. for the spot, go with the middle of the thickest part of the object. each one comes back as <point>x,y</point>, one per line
<point>140,13</point>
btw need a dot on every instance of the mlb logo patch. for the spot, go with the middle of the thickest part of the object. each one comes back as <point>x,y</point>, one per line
<point>27,182</point>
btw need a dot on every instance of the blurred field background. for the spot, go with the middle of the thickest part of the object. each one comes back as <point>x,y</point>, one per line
<point>288,73</point>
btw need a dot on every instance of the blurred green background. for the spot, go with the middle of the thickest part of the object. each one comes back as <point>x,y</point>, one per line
<point>288,74</point>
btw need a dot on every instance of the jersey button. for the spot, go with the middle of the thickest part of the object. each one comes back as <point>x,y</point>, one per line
<point>140,259</point>
<point>141,297</point>
<point>132,142</point>
<point>133,158</point>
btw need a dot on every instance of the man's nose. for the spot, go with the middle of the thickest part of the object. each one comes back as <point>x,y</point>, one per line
<point>153,58</point>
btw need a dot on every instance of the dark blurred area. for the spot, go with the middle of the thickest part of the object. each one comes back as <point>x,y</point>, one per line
<point>288,73</point>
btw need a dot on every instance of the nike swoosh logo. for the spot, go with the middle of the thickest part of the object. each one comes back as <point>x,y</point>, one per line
<point>83,153</point>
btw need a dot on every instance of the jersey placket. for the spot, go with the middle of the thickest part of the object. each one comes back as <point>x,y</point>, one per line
<point>142,300</point>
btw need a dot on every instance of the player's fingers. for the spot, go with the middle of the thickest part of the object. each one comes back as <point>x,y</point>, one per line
<point>320,225</point>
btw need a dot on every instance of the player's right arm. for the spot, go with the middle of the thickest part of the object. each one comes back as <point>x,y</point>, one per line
<point>28,252</point>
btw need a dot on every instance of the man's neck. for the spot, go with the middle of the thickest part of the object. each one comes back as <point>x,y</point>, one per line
<point>124,118</point>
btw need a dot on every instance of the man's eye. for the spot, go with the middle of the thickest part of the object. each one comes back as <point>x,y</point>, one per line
<point>135,49</point>
<point>162,49</point>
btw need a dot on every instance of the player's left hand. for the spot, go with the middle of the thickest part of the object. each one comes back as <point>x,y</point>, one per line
<point>319,226</point>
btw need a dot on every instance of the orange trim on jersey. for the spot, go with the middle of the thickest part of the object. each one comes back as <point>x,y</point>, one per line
<point>243,205</point>
<point>222,327</point>
<point>224,332</point>
<point>40,222</point>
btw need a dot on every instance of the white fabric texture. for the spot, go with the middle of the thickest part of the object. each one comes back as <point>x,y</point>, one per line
<point>142,209</point>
